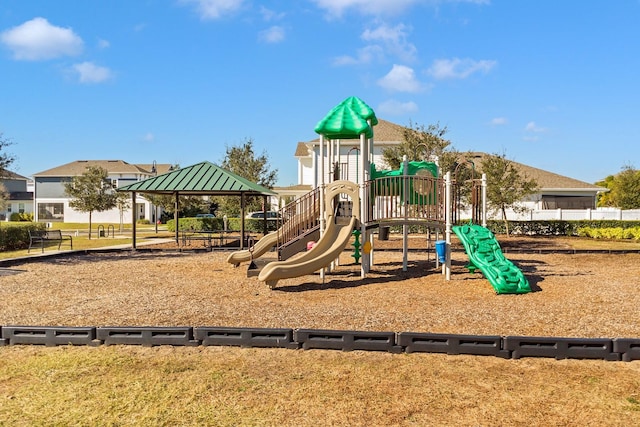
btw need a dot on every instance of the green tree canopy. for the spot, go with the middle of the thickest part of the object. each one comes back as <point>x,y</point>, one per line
<point>422,143</point>
<point>243,160</point>
<point>624,189</point>
<point>91,192</point>
<point>507,187</point>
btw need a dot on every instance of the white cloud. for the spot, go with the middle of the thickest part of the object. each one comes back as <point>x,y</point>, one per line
<point>392,107</point>
<point>270,15</point>
<point>103,44</point>
<point>394,40</point>
<point>499,121</point>
<point>459,68</point>
<point>88,72</point>
<point>365,55</point>
<point>37,40</point>
<point>274,34</point>
<point>532,127</point>
<point>400,79</point>
<point>214,9</point>
<point>336,8</point>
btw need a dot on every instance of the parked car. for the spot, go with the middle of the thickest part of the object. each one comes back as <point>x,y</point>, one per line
<point>205,215</point>
<point>260,215</point>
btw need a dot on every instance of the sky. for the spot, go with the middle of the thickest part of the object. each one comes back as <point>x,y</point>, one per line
<point>552,84</point>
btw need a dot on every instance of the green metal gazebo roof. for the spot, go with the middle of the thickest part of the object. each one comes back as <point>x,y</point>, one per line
<point>203,178</point>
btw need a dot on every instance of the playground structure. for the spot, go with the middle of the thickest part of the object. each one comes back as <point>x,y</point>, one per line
<point>415,194</point>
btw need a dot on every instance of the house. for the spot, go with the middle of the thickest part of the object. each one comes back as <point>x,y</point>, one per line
<point>52,204</point>
<point>555,191</point>
<point>19,199</point>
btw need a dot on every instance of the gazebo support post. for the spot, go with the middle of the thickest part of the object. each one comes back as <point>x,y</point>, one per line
<point>242,214</point>
<point>133,221</point>
<point>176,206</point>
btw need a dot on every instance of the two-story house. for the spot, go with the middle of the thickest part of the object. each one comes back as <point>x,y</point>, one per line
<point>52,204</point>
<point>19,198</point>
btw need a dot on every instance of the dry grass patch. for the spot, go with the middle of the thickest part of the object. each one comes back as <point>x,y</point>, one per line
<point>230,386</point>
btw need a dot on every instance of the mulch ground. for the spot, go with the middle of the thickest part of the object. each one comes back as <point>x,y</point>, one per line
<point>576,295</point>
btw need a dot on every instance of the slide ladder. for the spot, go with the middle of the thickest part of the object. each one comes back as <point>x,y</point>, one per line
<point>485,254</point>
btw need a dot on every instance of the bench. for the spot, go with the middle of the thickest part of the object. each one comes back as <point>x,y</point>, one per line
<point>42,237</point>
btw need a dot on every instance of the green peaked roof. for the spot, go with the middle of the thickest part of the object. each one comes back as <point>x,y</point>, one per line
<point>343,122</point>
<point>361,107</point>
<point>348,120</point>
<point>203,178</point>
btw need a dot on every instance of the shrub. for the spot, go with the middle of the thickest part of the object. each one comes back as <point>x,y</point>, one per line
<point>16,236</point>
<point>557,227</point>
<point>617,233</point>
<point>234,224</point>
<point>18,216</point>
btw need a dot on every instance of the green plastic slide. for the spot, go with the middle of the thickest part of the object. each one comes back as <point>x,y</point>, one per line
<point>484,253</point>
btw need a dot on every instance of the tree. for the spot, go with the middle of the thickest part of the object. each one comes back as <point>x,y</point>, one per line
<point>624,189</point>
<point>243,161</point>
<point>5,161</point>
<point>506,186</point>
<point>422,143</point>
<point>123,203</point>
<point>91,192</point>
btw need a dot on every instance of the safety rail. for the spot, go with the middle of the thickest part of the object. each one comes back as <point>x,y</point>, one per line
<point>299,217</point>
<point>408,198</point>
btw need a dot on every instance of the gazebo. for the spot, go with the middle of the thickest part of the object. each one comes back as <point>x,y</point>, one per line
<point>201,179</point>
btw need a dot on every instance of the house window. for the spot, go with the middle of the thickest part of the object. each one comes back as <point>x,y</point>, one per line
<point>21,207</point>
<point>140,209</point>
<point>114,183</point>
<point>568,202</point>
<point>9,208</point>
<point>50,211</point>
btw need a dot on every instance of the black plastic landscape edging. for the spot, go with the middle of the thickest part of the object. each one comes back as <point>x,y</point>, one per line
<point>506,347</point>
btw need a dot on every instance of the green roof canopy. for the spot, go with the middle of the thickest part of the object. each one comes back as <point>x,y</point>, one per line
<point>343,123</point>
<point>348,120</point>
<point>361,107</point>
<point>203,178</point>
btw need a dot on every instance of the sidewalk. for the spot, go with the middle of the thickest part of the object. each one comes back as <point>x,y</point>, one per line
<point>54,253</point>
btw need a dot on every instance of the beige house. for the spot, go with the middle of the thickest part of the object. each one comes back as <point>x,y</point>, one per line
<point>52,204</point>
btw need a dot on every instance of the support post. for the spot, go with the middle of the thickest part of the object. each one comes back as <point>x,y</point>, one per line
<point>405,227</point>
<point>133,221</point>
<point>322,206</point>
<point>364,264</point>
<point>484,200</point>
<point>176,207</point>
<point>447,229</point>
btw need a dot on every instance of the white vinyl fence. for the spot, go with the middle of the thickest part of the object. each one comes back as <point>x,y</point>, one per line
<point>571,215</point>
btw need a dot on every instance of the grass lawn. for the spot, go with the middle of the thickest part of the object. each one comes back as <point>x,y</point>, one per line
<point>228,386</point>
